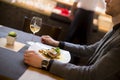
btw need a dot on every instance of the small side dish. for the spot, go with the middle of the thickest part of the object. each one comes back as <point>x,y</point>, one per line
<point>11,37</point>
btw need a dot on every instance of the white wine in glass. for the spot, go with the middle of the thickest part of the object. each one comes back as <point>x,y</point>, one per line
<point>35,26</point>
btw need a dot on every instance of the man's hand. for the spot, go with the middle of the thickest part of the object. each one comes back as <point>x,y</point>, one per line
<point>49,40</point>
<point>33,59</point>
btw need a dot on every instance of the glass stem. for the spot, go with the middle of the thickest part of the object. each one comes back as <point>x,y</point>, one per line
<point>33,36</point>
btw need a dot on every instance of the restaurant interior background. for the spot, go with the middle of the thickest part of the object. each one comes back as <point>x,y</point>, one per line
<point>53,13</point>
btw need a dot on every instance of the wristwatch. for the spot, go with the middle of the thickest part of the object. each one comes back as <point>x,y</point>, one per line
<point>44,64</point>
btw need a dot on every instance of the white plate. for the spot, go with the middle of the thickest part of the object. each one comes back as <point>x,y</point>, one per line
<point>64,56</point>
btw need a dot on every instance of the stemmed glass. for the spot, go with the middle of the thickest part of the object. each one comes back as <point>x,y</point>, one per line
<point>35,26</point>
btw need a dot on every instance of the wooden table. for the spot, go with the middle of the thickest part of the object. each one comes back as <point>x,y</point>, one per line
<point>12,65</point>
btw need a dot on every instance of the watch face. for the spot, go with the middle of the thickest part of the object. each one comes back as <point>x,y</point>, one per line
<point>45,63</point>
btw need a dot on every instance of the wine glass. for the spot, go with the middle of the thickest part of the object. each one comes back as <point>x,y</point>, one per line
<point>35,26</point>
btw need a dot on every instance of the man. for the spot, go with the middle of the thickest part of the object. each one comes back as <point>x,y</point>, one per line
<point>105,55</point>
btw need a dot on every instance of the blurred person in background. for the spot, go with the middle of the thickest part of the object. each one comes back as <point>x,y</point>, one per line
<point>103,63</point>
<point>82,14</point>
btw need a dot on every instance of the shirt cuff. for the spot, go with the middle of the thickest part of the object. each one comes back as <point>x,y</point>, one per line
<point>61,44</point>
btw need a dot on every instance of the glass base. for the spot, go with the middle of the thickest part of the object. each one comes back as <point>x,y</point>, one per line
<point>30,42</point>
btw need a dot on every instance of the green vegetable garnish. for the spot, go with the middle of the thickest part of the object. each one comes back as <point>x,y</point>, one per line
<point>57,49</point>
<point>12,34</point>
